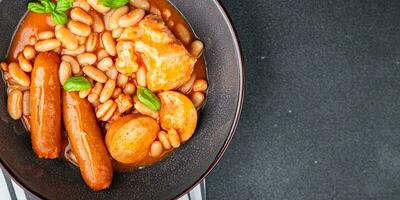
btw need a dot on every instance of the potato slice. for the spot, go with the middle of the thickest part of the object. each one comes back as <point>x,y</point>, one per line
<point>178,112</point>
<point>129,138</point>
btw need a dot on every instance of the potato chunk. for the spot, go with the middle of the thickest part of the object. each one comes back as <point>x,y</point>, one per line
<point>129,138</point>
<point>178,112</point>
<point>169,65</point>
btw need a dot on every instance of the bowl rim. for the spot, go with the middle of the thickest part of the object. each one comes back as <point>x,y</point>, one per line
<point>239,105</point>
<point>234,124</point>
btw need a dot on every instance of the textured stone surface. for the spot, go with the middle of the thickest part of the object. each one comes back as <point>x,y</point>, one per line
<point>321,113</point>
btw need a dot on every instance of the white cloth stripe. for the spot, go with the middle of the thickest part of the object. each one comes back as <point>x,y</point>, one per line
<point>203,190</point>
<point>195,194</point>
<point>184,197</point>
<point>4,193</point>
<point>19,192</point>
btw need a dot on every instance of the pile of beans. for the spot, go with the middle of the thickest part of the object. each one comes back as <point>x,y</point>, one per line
<point>87,47</point>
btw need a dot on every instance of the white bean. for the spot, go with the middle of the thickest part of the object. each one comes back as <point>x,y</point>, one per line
<point>200,85</point>
<point>93,99</point>
<point>65,72</point>
<point>98,24</point>
<point>103,108</point>
<point>129,89</point>
<point>98,87</point>
<point>18,75</point>
<point>58,27</point>
<point>197,99</point>
<point>142,4</point>
<point>109,113</point>
<point>109,43</point>
<point>107,19</point>
<point>183,33</point>
<point>156,149</point>
<point>78,51</point>
<point>29,52</point>
<point>79,28</point>
<point>78,14</point>
<point>116,33</point>
<point>67,38</point>
<point>81,4</point>
<point>46,35</point>
<point>173,138</point>
<point>188,86</point>
<point>24,63</point>
<point>196,48</point>
<point>116,15</point>
<point>102,54</point>
<point>92,42</point>
<point>131,18</point>
<point>163,137</point>
<point>76,69</point>
<point>112,73</point>
<point>47,45</point>
<point>107,91</point>
<point>87,59</point>
<point>105,64</point>
<point>14,104</point>
<point>95,74</point>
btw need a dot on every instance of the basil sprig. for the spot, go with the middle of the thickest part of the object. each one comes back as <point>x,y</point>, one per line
<point>77,83</point>
<point>113,3</point>
<point>148,98</point>
<point>56,11</point>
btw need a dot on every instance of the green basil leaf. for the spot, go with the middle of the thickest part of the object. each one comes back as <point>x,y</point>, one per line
<point>59,17</point>
<point>49,5</point>
<point>36,7</point>
<point>113,3</point>
<point>77,83</point>
<point>64,5</point>
<point>57,12</point>
<point>148,98</point>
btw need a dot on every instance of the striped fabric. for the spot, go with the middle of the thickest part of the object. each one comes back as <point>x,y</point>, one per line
<point>9,190</point>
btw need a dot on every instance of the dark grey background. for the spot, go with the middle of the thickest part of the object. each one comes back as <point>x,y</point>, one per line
<point>321,113</point>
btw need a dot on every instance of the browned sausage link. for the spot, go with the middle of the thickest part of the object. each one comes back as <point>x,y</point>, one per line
<point>45,105</point>
<point>87,141</point>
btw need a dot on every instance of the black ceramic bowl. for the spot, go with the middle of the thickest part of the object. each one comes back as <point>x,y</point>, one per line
<point>175,175</point>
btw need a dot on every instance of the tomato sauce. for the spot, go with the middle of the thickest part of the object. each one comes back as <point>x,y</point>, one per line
<point>31,25</point>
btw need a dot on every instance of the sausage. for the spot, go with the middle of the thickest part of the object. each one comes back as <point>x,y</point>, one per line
<point>87,141</point>
<point>45,106</point>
